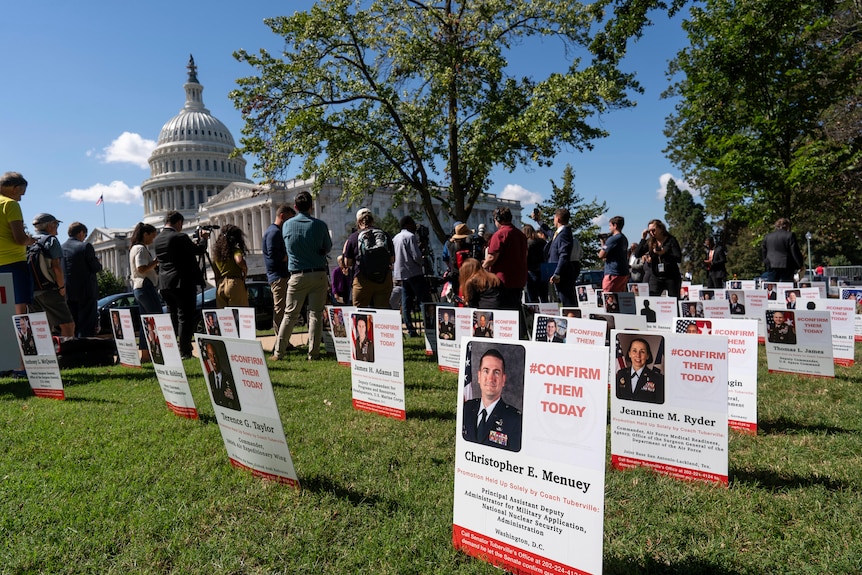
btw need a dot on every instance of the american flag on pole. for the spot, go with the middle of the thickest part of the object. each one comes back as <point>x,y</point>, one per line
<point>100,200</point>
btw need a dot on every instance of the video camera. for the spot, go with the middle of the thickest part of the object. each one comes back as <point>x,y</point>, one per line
<point>198,236</point>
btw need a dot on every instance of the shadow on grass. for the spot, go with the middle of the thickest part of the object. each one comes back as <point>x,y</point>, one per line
<point>782,426</point>
<point>431,414</point>
<point>769,480</point>
<point>620,566</point>
<point>319,484</point>
<point>17,388</point>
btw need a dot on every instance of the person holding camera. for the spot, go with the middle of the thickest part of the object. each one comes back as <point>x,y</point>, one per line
<point>180,276</point>
<point>662,254</point>
<point>615,252</point>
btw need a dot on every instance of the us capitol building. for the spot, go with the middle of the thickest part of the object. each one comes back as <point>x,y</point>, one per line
<point>192,171</point>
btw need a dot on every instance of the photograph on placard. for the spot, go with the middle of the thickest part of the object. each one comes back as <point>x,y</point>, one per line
<point>116,324</point>
<point>363,338</point>
<point>694,326</point>
<point>641,378</point>
<point>25,335</point>
<point>218,373</point>
<point>148,325</point>
<point>211,323</point>
<point>736,300</point>
<point>483,324</point>
<point>780,327</point>
<point>446,325</point>
<point>495,376</point>
<point>550,329</point>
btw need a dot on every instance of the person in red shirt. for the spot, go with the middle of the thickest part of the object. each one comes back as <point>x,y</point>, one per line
<point>507,258</point>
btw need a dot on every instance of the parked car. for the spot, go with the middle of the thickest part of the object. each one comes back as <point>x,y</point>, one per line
<point>591,277</point>
<point>125,300</point>
<point>259,298</point>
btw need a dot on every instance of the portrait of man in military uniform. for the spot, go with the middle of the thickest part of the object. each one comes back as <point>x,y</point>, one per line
<point>638,381</point>
<point>488,419</point>
<point>780,325</point>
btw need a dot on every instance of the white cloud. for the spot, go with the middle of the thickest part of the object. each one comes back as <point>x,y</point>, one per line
<point>116,192</point>
<point>129,148</point>
<point>601,220</point>
<point>661,192</point>
<point>523,195</point>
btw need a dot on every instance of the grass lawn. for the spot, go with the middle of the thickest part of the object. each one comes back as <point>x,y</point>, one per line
<point>110,482</point>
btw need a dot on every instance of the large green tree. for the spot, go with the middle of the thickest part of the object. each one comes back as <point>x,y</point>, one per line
<point>419,94</point>
<point>582,215</point>
<point>749,129</point>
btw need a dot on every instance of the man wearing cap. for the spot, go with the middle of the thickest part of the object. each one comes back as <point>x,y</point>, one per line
<point>507,258</point>
<point>82,286</point>
<point>372,274</point>
<point>307,241</point>
<point>50,296</point>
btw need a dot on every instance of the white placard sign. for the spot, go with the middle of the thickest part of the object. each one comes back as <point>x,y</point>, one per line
<point>244,322</point>
<point>799,341</point>
<point>529,477</point>
<point>241,394</point>
<point>124,337</point>
<point>36,347</point>
<point>841,315</point>
<point>618,321</point>
<point>570,330</point>
<point>456,323</point>
<point>716,309</point>
<point>340,336</point>
<point>741,366</point>
<point>855,295</point>
<point>658,311</point>
<point>158,332</point>
<point>220,322</point>
<point>669,404</point>
<point>377,361</point>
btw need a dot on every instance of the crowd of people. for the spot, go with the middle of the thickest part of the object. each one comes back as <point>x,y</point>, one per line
<point>492,270</point>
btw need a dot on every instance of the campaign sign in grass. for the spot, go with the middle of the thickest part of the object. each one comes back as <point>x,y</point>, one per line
<point>658,312</point>
<point>124,337</point>
<point>244,321</point>
<point>457,323</point>
<point>221,322</point>
<point>377,361</point>
<point>741,366</point>
<point>855,295</point>
<point>429,313</point>
<point>669,404</point>
<point>841,313</point>
<point>799,341</point>
<point>158,332</point>
<point>530,456</point>
<point>244,404</point>
<point>338,327</point>
<point>37,351</point>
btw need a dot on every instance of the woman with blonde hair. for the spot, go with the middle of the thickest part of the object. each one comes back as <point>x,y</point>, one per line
<point>479,287</point>
<point>230,268</point>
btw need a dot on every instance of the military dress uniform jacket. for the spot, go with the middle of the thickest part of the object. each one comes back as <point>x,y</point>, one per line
<point>502,429</point>
<point>650,386</point>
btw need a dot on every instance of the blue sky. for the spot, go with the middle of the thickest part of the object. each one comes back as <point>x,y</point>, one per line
<point>89,86</point>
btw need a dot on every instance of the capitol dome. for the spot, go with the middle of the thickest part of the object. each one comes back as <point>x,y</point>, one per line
<point>192,161</point>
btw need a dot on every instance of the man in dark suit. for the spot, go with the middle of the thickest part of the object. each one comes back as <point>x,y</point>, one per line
<point>82,287</point>
<point>447,328</point>
<point>551,332</point>
<point>489,420</point>
<point>736,308</point>
<point>221,381</point>
<point>483,328</point>
<point>180,276</point>
<point>639,382</point>
<point>781,254</point>
<point>780,331</point>
<point>567,267</point>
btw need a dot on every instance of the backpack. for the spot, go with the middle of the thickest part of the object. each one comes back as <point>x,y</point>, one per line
<point>374,254</point>
<point>39,262</point>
